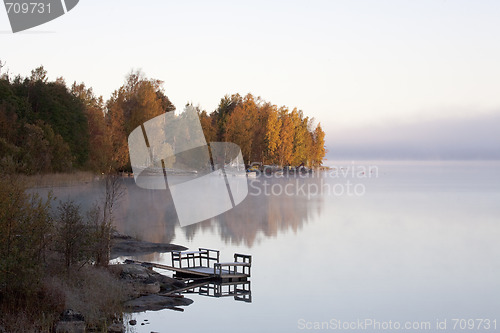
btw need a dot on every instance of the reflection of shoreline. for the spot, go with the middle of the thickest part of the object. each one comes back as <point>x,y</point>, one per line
<point>150,215</point>
<point>268,215</point>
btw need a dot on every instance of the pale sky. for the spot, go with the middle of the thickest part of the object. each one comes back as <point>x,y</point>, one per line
<point>349,64</point>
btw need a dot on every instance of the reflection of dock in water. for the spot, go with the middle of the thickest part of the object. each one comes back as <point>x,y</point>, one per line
<point>240,290</point>
<point>204,274</point>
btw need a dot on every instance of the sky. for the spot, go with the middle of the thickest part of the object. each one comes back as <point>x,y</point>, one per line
<point>378,72</point>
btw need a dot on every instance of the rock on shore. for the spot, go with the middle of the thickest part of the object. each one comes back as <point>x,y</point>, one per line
<point>145,285</point>
<point>128,246</point>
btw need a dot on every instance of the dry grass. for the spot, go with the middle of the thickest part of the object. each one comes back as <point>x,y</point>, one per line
<point>23,322</point>
<point>58,179</point>
<point>94,292</point>
<point>97,294</point>
<point>36,313</point>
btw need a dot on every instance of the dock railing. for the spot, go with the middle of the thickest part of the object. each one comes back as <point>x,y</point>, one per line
<point>240,290</point>
<point>189,259</point>
<point>241,265</point>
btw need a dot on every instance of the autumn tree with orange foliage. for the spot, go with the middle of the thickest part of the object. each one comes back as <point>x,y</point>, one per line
<point>100,144</point>
<point>266,133</point>
<point>137,101</point>
<point>46,127</point>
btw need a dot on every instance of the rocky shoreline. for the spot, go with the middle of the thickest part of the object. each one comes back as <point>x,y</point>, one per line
<point>145,285</point>
<point>123,245</point>
<point>147,290</point>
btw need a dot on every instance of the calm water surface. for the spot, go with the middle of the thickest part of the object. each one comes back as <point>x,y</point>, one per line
<point>418,243</point>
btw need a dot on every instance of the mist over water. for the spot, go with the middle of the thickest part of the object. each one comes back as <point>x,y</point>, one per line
<point>150,214</point>
<point>459,138</point>
<point>420,245</point>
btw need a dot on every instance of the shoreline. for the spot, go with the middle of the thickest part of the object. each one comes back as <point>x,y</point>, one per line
<point>124,245</point>
<point>148,288</point>
<point>142,289</point>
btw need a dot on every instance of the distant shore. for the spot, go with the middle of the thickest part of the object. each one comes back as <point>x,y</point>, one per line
<point>58,179</point>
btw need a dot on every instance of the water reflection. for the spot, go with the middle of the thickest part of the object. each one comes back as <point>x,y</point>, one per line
<point>150,215</point>
<point>239,290</point>
<point>421,244</point>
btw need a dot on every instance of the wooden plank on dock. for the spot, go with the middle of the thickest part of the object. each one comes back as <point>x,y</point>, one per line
<point>198,271</point>
<point>188,271</point>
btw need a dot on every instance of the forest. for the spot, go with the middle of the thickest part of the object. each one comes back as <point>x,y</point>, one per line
<point>50,127</point>
<point>54,256</point>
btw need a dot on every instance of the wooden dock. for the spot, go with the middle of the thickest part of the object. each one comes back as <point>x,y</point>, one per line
<point>205,263</point>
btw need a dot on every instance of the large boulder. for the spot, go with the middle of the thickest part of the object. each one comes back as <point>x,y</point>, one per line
<point>145,281</point>
<point>146,284</point>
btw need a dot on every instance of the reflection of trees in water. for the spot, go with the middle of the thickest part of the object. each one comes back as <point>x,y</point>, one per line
<point>147,214</point>
<point>269,214</point>
<point>150,214</point>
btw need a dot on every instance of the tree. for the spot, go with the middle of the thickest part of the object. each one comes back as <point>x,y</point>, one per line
<point>25,226</point>
<point>39,74</point>
<point>137,101</point>
<point>299,137</point>
<point>285,151</point>
<point>9,105</point>
<point>207,124</point>
<point>100,233</point>
<point>38,153</point>
<point>43,150</point>
<point>71,234</point>
<point>259,129</point>
<point>263,132</point>
<point>224,110</point>
<point>52,103</point>
<point>309,147</point>
<point>243,127</point>
<point>83,241</point>
<point>101,219</point>
<point>117,136</point>
<point>319,145</point>
<point>238,131</point>
<point>100,144</point>
<point>273,138</point>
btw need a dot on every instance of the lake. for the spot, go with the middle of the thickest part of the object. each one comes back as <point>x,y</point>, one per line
<point>372,246</point>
